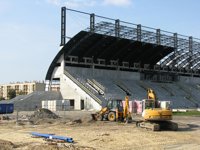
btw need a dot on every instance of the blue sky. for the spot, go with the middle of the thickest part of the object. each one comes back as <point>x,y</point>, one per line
<point>30,29</point>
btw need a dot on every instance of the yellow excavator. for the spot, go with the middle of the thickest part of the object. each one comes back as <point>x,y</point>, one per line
<point>155,117</point>
<point>114,111</point>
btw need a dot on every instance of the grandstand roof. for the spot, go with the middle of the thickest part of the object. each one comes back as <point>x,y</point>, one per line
<point>113,48</point>
<point>120,45</point>
<point>99,46</point>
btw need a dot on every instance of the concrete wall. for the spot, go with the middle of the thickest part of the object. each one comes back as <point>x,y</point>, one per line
<point>114,74</point>
<point>70,90</point>
<point>195,80</point>
<point>39,87</point>
<point>58,71</point>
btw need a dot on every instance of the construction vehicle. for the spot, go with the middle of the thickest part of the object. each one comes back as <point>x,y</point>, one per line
<point>155,117</point>
<point>114,111</point>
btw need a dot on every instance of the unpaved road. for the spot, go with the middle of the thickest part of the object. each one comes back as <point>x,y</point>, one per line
<point>102,135</point>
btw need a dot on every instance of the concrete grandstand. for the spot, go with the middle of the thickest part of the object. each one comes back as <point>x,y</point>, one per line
<point>33,101</point>
<point>111,59</point>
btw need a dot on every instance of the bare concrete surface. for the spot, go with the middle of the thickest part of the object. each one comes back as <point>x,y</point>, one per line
<point>91,135</point>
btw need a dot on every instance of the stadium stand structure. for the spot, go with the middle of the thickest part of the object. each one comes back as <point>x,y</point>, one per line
<point>33,101</point>
<point>109,60</point>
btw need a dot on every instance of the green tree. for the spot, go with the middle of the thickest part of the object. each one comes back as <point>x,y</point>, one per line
<point>21,92</point>
<point>11,93</point>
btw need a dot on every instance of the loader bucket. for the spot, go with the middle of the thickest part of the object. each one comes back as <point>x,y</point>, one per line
<point>94,117</point>
<point>97,117</point>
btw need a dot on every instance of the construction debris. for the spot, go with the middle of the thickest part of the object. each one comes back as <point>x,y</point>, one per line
<point>2,117</point>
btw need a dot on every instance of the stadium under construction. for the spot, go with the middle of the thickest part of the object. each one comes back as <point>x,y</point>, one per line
<point>111,58</point>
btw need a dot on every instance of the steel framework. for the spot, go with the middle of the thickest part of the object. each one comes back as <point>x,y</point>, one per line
<point>186,53</point>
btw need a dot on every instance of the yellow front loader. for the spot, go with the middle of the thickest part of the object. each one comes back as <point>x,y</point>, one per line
<point>114,111</point>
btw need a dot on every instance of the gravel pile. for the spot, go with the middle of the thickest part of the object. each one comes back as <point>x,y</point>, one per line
<point>43,116</point>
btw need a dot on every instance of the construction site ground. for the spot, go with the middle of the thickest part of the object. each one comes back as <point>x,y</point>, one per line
<point>92,135</point>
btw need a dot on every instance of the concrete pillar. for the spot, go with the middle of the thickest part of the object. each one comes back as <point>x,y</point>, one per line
<point>77,103</point>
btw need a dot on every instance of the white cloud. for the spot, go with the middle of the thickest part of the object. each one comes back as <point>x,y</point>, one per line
<point>80,3</point>
<point>73,3</point>
<point>54,2</point>
<point>117,2</point>
<point>89,3</point>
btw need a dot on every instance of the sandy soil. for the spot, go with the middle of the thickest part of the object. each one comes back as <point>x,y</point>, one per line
<point>89,135</point>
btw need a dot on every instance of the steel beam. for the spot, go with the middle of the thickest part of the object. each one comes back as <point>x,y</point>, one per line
<point>63,26</point>
<point>190,51</point>
<point>117,28</point>
<point>139,32</point>
<point>158,36</point>
<point>175,49</point>
<point>92,22</point>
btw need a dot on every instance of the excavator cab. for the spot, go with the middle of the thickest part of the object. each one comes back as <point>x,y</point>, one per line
<point>148,104</point>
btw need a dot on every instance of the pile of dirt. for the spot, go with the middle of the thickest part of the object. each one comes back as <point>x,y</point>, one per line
<point>43,116</point>
<point>81,120</point>
<point>6,145</point>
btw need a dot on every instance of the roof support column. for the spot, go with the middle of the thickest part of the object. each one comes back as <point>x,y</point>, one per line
<point>117,28</point>
<point>63,26</point>
<point>158,36</point>
<point>175,49</point>
<point>190,51</point>
<point>92,22</point>
<point>139,32</point>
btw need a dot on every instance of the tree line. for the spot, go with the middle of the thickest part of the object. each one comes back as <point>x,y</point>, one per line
<point>12,94</point>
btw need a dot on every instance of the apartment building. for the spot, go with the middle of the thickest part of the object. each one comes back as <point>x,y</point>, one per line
<point>21,88</point>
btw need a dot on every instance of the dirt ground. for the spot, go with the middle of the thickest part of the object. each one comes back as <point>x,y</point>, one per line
<point>91,135</point>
